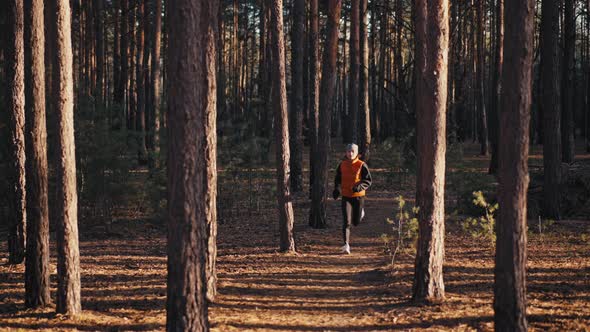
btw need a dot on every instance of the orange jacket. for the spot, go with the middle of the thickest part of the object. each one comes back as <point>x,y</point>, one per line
<point>353,177</point>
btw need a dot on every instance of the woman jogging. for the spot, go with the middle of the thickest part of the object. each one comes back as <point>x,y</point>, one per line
<point>353,179</point>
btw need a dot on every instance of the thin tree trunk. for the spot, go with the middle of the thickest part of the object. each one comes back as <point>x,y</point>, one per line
<point>116,59</point>
<point>156,81</point>
<point>314,112</point>
<point>37,246</point>
<point>551,108</point>
<point>494,119</point>
<point>262,70</point>
<point>191,104</point>
<point>89,39</point>
<point>297,105</point>
<point>567,128</point>
<point>432,45</point>
<point>235,56</point>
<point>279,92</point>
<point>222,64</point>
<point>16,124</point>
<point>100,53</point>
<point>132,84</point>
<point>480,77</point>
<point>513,178</point>
<point>365,114</point>
<point>68,254</point>
<point>399,78</point>
<point>327,92</point>
<point>140,87</point>
<point>353,89</point>
<point>121,89</point>
<point>373,65</point>
<point>380,109</point>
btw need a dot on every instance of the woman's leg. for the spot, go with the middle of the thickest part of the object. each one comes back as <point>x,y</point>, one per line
<point>346,218</point>
<point>358,204</point>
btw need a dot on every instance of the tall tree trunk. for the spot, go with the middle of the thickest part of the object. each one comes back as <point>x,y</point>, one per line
<point>116,58</point>
<point>353,89</point>
<point>88,40</point>
<point>494,119</point>
<point>235,60</point>
<point>341,125</point>
<point>68,254</point>
<point>16,124</point>
<point>132,84</point>
<point>191,104</point>
<point>513,178</point>
<point>209,151</point>
<point>380,109</point>
<point>480,77</point>
<point>222,63</point>
<point>279,102</point>
<point>268,111</point>
<point>328,88</point>
<point>314,112</point>
<point>567,125</point>
<point>121,89</point>
<point>156,81</point>
<point>37,247</point>
<point>140,84</point>
<point>365,114</point>
<point>551,108</point>
<point>263,87</point>
<point>398,72</point>
<point>297,105</point>
<point>432,45</point>
<point>373,65</point>
<point>100,53</point>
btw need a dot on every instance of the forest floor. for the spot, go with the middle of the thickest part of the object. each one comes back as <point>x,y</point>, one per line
<point>317,289</point>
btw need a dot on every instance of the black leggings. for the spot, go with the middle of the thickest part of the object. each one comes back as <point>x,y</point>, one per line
<point>351,214</point>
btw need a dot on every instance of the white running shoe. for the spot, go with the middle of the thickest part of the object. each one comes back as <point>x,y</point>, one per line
<point>345,249</point>
<point>362,214</point>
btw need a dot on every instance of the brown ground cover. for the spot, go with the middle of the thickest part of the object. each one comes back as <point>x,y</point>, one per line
<point>318,289</point>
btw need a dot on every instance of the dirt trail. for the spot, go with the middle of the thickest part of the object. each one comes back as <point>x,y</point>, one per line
<point>318,289</point>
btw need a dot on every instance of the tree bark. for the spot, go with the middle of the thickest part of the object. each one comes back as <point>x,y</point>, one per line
<point>140,84</point>
<point>121,92</point>
<point>68,254</point>
<point>353,95</point>
<point>513,178</point>
<point>89,41</point>
<point>551,108</point>
<point>37,247</point>
<point>494,119</point>
<point>480,77</point>
<point>365,114</point>
<point>314,114</point>
<point>432,45</point>
<point>235,66</point>
<point>567,124</point>
<point>132,77</point>
<point>191,104</point>
<point>279,101</point>
<point>328,88</point>
<point>297,105</point>
<point>116,58</point>
<point>156,81</point>
<point>16,124</point>
<point>100,53</point>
